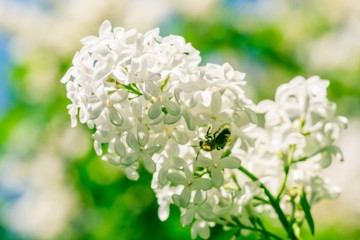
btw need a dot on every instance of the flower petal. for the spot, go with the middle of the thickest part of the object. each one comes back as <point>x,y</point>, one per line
<point>119,96</point>
<point>203,183</point>
<point>95,110</point>
<point>121,75</point>
<point>206,214</point>
<point>215,106</point>
<point>152,88</point>
<point>154,149</point>
<point>189,119</point>
<point>199,198</point>
<point>180,137</point>
<point>143,135</point>
<point>98,148</point>
<point>129,159</point>
<point>163,212</point>
<point>176,199</point>
<point>105,27</point>
<point>162,177</point>
<point>296,139</point>
<point>155,110</point>
<point>172,107</point>
<point>119,148</point>
<point>110,159</point>
<point>177,179</point>
<point>187,217</point>
<point>132,141</point>
<point>200,228</point>
<point>149,164</point>
<point>217,177</point>
<point>204,161</point>
<point>230,162</point>
<point>171,119</point>
<point>131,173</point>
<point>115,117</point>
<point>185,197</point>
<point>178,162</point>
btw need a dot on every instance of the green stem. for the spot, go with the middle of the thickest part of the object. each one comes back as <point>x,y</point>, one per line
<point>261,200</point>
<point>233,177</point>
<point>163,85</point>
<point>311,155</point>
<point>293,211</point>
<point>274,202</point>
<point>283,185</point>
<point>131,89</point>
<point>261,231</point>
<point>287,166</point>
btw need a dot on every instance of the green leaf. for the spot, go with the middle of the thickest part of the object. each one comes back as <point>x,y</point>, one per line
<point>306,207</point>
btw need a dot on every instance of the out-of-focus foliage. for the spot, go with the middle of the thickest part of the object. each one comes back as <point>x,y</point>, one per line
<point>52,186</point>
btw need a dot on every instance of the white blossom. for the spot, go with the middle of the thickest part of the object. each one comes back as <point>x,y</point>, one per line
<point>194,129</point>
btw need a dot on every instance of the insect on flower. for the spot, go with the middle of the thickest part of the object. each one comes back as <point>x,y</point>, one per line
<point>216,141</point>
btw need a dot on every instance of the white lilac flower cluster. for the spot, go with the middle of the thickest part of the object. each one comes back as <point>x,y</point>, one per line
<point>300,130</point>
<point>193,128</point>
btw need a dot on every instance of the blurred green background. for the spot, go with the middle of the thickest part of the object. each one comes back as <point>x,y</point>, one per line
<point>52,186</point>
